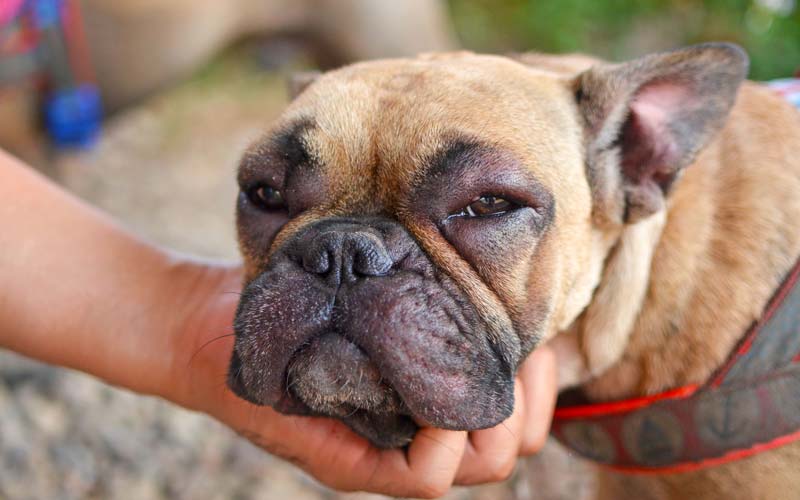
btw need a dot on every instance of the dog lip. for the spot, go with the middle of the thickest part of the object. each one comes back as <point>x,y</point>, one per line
<point>322,375</point>
<point>421,422</point>
<point>383,430</point>
<point>236,385</point>
<point>437,365</point>
<point>288,404</point>
<point>420,408</point>
<point>331,372</point>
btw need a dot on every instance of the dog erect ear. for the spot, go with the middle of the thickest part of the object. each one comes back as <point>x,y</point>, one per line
<point>647,119</point>
<point>299,81</point>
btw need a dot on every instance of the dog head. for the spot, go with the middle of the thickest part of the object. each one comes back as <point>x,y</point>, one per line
<point>412,228</point>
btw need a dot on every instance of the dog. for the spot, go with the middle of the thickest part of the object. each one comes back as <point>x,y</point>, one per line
<point>138,47</point>
<point>413,228</point>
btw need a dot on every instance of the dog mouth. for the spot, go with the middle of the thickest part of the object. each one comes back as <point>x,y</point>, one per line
<point>379,352</point>
<point>331,376</point>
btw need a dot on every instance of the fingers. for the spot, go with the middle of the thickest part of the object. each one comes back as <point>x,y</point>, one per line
<point>491,454</point>
<point>433,460</point>
<point>337,457</point>
<point>426,469</point>
<point>539,381</point>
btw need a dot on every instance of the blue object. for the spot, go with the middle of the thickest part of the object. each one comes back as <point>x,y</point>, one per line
<point>788,88</point>
<point>73,116</point>
<point>46,13</point>
<point>72,110</point>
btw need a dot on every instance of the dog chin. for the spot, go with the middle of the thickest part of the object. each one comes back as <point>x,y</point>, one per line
<point>334,377</point>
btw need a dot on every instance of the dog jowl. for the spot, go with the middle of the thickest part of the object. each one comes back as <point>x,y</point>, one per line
<point>411,229</point>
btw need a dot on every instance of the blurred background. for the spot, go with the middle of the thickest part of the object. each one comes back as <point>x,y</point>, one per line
<point>620,29</point>
<point>142,107</point>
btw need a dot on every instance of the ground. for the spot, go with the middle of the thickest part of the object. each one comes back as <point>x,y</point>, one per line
<point>166,170</point>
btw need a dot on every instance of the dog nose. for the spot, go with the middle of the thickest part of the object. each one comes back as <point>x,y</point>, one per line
<point>342,255</point>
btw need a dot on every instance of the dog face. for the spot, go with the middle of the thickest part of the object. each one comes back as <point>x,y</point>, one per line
<point>411,229</point>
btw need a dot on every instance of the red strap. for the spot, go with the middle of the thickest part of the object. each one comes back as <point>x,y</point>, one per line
<point>622,406</point>
<point>741,411</point>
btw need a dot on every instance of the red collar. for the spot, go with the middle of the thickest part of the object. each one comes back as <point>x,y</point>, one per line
<point>752,404</point>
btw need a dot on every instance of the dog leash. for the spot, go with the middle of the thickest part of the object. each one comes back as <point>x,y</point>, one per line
<point>751,404</point>
<point>43,41</point>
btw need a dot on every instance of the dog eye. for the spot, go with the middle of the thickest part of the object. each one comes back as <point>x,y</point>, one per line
<point>487,205</point>
<point>266,198</point>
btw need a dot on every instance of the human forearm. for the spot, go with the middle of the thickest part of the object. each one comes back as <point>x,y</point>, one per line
<point>80,292</point>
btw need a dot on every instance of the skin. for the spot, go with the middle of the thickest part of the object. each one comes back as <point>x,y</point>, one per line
<point>76,287</point>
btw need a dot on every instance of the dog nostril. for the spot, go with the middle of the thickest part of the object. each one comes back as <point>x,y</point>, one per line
<point>371,260</point>
<point>317,259</point>
<point>345,255</point>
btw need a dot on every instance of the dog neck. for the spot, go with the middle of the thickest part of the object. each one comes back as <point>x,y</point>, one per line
<point>679,290</point>
<point>598,337</point>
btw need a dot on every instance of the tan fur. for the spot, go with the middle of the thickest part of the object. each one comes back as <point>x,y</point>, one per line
<point>607,321</point>
<point>731,235</point>
<point>641,308</point>
<point>733,230</point>
<point>361,113</point>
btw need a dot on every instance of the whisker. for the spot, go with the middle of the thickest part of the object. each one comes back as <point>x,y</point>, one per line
<point>206,345</point>
<point>251,416</point>
<point>290,386</point>
<point>439,442</point>
<point>509,430</point>
<point>289,382</point>
<point>355,410</point>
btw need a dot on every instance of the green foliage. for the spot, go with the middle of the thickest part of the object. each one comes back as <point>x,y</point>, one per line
<point>619,29</point>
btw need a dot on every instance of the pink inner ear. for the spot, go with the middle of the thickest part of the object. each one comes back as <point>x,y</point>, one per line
<point>654,102</point>
<point>649,147</point>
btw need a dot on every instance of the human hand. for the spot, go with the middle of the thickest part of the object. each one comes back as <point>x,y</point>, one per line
<point>77,276</point>
<point>329,450</point>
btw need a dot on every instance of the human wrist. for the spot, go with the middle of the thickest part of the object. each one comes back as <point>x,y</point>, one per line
<point>204,297</point>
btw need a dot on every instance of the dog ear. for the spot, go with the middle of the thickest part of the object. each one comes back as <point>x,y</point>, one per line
<point>299,81</point>
<point>647,119</point>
